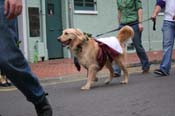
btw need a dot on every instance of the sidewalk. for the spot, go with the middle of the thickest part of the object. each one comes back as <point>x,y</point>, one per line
<point>64,67</point>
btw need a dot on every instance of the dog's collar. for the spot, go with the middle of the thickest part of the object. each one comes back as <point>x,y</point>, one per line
<point>78,49</point>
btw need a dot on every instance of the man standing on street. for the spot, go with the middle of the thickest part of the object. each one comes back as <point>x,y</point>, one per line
<point>12,61</point>
<point>168,30</point>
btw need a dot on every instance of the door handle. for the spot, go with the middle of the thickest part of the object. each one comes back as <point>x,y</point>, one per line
<point>51,29</point>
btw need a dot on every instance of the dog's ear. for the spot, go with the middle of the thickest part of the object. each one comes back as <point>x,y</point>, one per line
<point>78,31</point>
<point>79,34</point>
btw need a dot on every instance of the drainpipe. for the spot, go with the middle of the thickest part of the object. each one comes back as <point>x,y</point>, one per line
<point>22,30</point>
<point>70,17</point>
<point>70,13</point>
<point>149,36</point>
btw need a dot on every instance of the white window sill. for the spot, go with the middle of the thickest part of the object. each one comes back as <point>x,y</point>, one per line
<point>86,12</point>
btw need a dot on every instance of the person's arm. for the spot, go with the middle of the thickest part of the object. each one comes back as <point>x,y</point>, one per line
<point>119,16</point>
<point>140,15</point>
<point>12,8</point>
<point>160,4</point>
<point>157,9</point>
<point>138,5</point>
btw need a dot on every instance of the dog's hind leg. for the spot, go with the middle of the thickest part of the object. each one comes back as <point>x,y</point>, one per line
<point>122,64</point>
<point>111,71</point>
<point>92,71</point>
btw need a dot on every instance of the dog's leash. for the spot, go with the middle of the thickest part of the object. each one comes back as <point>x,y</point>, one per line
<point>154,26</point>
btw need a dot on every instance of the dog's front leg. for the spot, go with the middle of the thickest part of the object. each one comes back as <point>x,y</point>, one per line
<point>92,71</point>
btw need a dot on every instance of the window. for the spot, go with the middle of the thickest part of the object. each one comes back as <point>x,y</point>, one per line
<point>34,22</point>
<point>85,6</point>
<point>50,10</point>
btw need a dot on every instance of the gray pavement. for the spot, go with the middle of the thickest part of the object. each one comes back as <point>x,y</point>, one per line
<point>145,95</point>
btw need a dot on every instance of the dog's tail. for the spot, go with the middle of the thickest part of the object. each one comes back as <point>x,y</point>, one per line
<point>125,33</point>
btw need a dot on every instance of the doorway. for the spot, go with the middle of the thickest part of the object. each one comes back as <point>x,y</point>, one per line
<point>53,28</point>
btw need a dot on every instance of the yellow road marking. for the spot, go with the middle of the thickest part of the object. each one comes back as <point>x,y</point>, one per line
<point>7,89</point>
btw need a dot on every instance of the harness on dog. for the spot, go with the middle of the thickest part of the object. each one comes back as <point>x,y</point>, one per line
<point>112,42</point>
<point>105,53</point>
<point>78,49</point>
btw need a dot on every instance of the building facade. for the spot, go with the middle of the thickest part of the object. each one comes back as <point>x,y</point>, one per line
<point>43,20</point>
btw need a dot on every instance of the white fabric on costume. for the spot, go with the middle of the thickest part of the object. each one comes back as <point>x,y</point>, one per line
<point>111,42</point>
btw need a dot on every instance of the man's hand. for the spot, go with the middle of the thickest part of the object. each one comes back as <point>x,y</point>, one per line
<point>12,8</point>
<point>153,17</point>
<point>140,27</point>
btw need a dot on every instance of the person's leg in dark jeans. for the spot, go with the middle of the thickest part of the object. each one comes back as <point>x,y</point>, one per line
<point>16,68</point>
<point>137,41</point>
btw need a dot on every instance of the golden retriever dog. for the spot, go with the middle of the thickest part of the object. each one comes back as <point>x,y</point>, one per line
<point>93,55</point>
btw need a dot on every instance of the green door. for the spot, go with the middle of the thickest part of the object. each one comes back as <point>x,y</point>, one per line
<point>54,28</point>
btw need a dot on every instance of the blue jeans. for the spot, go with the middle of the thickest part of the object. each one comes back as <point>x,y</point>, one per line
<point>168,30</point>
<point>139,50</point>
<point>13,63</point>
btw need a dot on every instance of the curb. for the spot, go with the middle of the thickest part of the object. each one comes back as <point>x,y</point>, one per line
<point>133,68</point>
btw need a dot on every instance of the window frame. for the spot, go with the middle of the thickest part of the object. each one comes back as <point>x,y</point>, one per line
<point>34,22</point>
<point>85,11</point>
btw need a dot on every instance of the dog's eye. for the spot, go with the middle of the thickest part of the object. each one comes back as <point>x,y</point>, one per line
<point>66,33</point>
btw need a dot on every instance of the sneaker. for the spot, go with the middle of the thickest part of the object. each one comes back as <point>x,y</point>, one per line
<point>117,75</point>
<point>43,108</point>
<point>145,71</point>
<point>159,72</point>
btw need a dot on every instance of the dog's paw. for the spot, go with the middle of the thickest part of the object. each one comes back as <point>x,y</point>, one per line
<point>107,81</point>
<point>85,87</point>
<point>124,82</point>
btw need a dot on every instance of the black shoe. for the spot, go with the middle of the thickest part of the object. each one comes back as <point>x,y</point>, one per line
<point>9,84</point>
<point>117,75</point>
<point>3,84</point>
<point>159,72</point>
<point>43,108</point>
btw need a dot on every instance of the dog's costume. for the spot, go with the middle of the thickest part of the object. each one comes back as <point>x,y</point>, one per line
<point>109,48</point>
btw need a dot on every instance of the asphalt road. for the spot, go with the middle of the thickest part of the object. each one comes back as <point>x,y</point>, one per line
<point>145,95</point>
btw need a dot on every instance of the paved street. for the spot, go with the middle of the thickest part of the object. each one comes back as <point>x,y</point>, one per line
<point>145,95</point>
